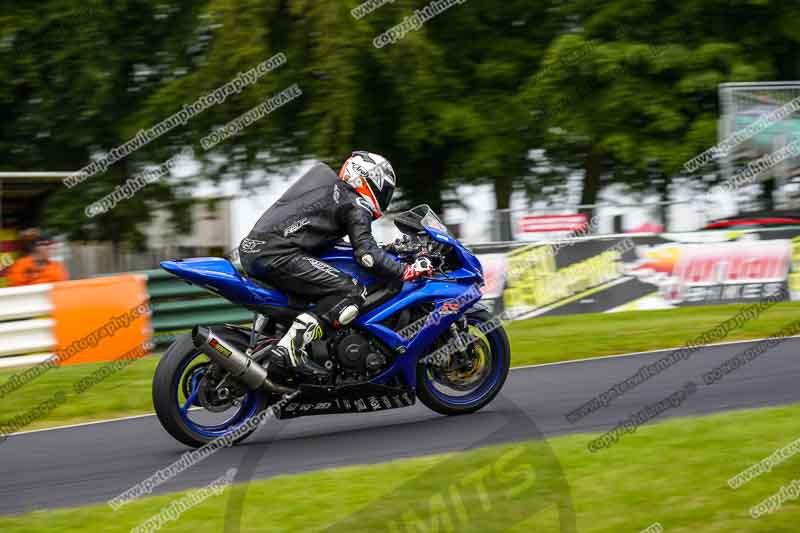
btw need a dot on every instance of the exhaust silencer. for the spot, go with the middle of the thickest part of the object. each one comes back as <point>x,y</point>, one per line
<point>230,358</point>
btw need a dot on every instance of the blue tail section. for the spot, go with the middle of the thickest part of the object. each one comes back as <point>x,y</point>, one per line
<point>221,277</point>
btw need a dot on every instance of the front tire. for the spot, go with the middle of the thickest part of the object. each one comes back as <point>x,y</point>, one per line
<point>168,390</point>
<point>429,380</point>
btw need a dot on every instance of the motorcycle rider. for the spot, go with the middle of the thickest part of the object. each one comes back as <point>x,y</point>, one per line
<point>314,213</point>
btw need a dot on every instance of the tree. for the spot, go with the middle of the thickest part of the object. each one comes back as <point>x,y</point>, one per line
<point>632,86</point>
<point>72,79</point>
<point>625,91</point>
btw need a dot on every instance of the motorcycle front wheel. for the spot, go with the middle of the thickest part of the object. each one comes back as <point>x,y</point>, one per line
<point>480,372</point>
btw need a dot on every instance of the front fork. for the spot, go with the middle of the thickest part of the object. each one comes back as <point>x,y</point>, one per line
<point>455,345</point>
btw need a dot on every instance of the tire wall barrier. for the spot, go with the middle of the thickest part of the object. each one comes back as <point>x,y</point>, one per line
<point>79,321</point>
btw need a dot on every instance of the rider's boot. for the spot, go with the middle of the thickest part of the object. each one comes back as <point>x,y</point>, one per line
<point>290,352</point>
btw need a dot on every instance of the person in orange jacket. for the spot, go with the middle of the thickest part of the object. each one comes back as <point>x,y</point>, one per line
<point>36,266</point>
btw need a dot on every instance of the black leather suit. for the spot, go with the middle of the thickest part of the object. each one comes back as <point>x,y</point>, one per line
<point>312,215</point>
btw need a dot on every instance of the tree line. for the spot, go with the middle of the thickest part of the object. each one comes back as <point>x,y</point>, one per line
<point>616,90</point>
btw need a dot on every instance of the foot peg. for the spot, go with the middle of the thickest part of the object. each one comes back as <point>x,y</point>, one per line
<point>298,362</point>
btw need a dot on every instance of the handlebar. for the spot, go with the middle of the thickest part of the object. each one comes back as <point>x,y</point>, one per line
<point>409,250</point>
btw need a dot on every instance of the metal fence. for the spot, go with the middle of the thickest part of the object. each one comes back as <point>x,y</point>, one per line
<point>177,306</point>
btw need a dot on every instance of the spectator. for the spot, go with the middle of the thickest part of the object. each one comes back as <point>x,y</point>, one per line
<point>35,266</point>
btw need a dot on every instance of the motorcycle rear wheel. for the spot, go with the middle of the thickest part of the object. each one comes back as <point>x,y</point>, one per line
<point>172,406</point>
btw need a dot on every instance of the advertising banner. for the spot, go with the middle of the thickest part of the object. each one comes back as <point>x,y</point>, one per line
<point>550,223</point>
<point>621,273</point>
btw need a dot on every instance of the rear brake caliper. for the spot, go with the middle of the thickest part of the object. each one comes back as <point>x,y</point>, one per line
<point>218,395</point>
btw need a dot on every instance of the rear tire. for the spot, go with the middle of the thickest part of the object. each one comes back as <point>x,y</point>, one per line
<point>165,394</point>
<point>501,351</point>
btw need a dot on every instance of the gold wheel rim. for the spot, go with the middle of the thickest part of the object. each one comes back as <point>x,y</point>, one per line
<point>464,377</point>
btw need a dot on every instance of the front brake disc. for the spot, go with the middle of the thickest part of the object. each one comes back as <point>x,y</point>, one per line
<point>470,371</point>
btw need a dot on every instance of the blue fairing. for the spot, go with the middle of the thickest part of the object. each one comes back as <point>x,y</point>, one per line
<point>468,260</point>
<point>461,284</point>
<point>221,277</point>
<point>342,258</point>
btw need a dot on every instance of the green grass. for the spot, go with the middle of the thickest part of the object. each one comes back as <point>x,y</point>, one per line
<point>551,339</point>
<point>674,473</point>
<point>124,393</point>
<point>539,340</point>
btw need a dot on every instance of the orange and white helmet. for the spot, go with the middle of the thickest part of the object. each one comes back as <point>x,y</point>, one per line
<point>372,176</point>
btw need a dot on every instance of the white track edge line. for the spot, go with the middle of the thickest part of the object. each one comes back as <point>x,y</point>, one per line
<point>91,423</point>
<point>556,363</point>
<point>68,426</point>
<point>601,357</point>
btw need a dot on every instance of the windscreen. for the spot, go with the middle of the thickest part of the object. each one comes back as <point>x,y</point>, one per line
<point>418,218</point>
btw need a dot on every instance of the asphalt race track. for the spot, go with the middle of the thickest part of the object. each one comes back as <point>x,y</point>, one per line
<point>93,463</point>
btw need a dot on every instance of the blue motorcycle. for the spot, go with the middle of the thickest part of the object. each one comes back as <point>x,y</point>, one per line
<point>428,339</point>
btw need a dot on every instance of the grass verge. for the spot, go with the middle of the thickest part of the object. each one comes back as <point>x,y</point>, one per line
<point>539,340</point>
<point>551,339</point>
<point>674,473</point>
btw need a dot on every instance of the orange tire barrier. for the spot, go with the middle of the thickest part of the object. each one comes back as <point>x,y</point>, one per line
<point>100,319</point>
